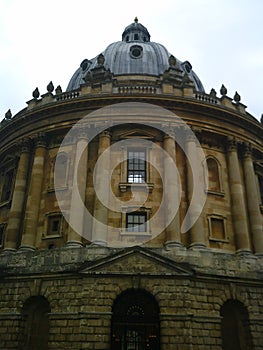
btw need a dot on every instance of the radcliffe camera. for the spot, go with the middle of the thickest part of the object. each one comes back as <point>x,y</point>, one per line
<point>131,208</point>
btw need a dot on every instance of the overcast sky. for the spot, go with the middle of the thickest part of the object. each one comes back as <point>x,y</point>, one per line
<point>46,40</point>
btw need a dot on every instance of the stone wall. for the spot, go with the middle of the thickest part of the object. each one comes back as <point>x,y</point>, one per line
<point>81,298</point>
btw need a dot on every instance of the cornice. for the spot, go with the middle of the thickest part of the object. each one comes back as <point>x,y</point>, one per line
<point>30,119</point>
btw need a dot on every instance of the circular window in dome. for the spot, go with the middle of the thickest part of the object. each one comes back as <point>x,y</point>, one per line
<point>136,51</point>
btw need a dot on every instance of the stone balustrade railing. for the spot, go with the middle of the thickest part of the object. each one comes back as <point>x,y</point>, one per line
<point>67,96</point>
<point>207,98</point>
<point>137,89</point>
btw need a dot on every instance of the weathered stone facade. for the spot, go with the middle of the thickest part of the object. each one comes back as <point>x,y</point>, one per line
<point>131,148</point>
<point>190,288</point>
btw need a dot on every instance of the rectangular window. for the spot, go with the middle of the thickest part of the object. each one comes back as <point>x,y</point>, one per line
<point>54,225</point>
<point>136,222</point>
<point>136,166</point>
<point>217,228</point>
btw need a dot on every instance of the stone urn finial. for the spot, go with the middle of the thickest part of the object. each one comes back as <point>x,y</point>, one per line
<point>213,93</point>
<point>237,97</point>
<point>58,90</point>
<point>50,87</point>
<point>101,60</point>
<point>172,61</point>
<point>35,93</point>
<point>8,114</point>
<point>223,90</point>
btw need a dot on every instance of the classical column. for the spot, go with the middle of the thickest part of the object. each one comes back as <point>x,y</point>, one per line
<point>34,194</point>
<point>255,217</point>
<point>77,204</point>
<point>102,183</point>
<point>171,194</point>
<point>237,200</point>
<point>195,192</point>
<point>16,210</point>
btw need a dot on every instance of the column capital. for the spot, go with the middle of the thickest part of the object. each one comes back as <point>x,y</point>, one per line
<point>232,144</point>
<point>192,134</point>
<point>191,137</point>
<point>247,150</point>
<point>40,140</point>
<point>105,133</point>
<point>25,145</point>
<point>169,130</point>
<point>82,134</point>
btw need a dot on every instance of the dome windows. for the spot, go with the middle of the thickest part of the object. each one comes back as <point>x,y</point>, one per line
<point>137,36</point>
<point>136,51</point>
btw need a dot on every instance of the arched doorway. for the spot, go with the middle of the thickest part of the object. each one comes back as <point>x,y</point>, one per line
<point>35,324</point>
<point>235,326</point>
<point>135,321</point>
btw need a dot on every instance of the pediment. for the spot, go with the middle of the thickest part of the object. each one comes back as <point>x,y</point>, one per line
<point>7,160</point>
<point>138,132</point>
<point>137,260</point>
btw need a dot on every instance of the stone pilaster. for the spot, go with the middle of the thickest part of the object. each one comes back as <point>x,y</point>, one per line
<point>237,200</point>
<point>255,217</point>
<point>16,210</point>
<point>102,183</point>
<point>77,205</point>
<point>194,192</point>
<point>171,193</point>
<point>34,195</point>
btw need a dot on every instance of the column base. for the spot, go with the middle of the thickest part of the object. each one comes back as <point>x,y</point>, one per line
<point>9,251</point>
<point>27,248</point>
<point>243,252</point>
<point>197,246</point>
<point>74,244</point>
<point>173,245</point>
<point>100,242</point>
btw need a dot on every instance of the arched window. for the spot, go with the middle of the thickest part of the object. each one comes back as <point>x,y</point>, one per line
<point>235,326</point>
<point>7,180</point>
<point>35,324</point>
<point>214,184</point>
<point>135,321</point>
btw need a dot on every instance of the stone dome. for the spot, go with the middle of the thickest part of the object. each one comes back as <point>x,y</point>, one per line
<point>134,55</point>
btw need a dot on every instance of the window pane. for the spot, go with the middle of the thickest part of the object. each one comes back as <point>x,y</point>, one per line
<point>136,166</point>
<point>54,223</point>
<point>136,222</point>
